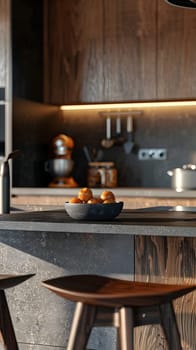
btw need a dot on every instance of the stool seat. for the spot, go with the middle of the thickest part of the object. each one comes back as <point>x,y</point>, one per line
<point>104,301</point>
<point>7,334</point>
<point>106,291</point>
<point>9,281</point>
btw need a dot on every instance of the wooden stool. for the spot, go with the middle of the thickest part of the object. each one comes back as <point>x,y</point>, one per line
<point>103,301</point>
<point>7,334</point>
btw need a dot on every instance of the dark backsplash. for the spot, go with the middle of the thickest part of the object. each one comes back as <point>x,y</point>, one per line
<point>36,124</point>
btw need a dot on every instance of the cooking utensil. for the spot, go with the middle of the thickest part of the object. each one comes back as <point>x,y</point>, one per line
<point>128,145</point>
<point>87,154</point>
<point>99,155</point>
<point>119,139</point>
<point>183,178</point>
<point>108,142</point>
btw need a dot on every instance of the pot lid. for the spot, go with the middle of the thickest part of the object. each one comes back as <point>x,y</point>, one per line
<point>182,3</point>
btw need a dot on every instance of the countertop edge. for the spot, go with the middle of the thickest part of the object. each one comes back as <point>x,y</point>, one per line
<point>55,221</point>
<point>119,191</point>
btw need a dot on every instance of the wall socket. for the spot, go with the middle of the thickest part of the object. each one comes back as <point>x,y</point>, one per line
<point>152,153</point>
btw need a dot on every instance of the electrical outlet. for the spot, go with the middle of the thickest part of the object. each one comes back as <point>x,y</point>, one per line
<point>152,153</point>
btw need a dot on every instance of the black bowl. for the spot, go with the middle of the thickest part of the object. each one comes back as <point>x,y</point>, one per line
<point>99,211</point>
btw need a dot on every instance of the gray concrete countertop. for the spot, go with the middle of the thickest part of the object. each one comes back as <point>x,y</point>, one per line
<point>119,191</point>
<point>129,222</point>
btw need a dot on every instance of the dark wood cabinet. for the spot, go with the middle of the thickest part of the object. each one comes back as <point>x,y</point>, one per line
<point>176,52</point>
<point>99,50</point>
<point>4,42</point>
<point>5,79</point>
<point>118,50</point>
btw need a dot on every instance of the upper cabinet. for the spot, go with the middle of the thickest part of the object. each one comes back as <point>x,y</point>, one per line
<point>4,42</point>
<point>118,50</point>
<point>99,50</point>
<point>176,52</point>
<point>5,79</point>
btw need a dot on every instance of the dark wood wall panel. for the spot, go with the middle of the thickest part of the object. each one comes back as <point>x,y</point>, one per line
<point>4,42</point>
<point>99,50</point>
<point>168,260</point>
<point>176,60</point>
<point>27,49</point>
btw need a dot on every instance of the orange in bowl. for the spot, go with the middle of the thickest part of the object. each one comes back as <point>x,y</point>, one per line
<point>85,194</point>
<point>108,196</point>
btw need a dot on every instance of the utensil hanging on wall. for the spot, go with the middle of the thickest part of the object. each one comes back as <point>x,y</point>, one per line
<point>128,145</point>
<point>87,154</point>
<point>108,141</point>
<point>119,139</point>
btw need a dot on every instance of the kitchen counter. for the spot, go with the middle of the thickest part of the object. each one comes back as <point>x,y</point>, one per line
<point>119,191</point>
<point>42,198</point>
<point>148,246</point>
<point>158,223</point>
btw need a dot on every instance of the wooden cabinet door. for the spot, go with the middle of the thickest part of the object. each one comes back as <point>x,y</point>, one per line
<point>4,42</point>
<point>99,50</point>
<point>5,79</point>
<point>176,52</point>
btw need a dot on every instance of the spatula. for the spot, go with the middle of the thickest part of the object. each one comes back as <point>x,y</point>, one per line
<point>128,145</point>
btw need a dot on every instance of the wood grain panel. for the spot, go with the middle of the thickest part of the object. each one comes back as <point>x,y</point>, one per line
<point>73,50</point>
<point>99,50</point>
<point>3,42</point>
<point>170,260</point>
<point>5,68</point>
<point>176,52</point>
<point>129,50</point>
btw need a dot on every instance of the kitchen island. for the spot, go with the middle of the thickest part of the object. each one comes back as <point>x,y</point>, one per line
<point>156,246</point>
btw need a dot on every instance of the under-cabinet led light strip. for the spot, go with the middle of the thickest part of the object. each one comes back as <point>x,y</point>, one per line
<point>128,105</point>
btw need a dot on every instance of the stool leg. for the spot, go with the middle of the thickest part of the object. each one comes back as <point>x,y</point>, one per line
<point>126,328</point>
<point>170,327</point>
<point>7,334</point>
<point>82,323</point>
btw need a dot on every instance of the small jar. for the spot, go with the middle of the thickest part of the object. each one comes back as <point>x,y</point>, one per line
<point>102,174</point>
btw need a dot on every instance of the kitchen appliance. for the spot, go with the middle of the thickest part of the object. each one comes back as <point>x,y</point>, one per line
<point>60,165</point>
<point>183,178</point>
<point>183,3</point>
